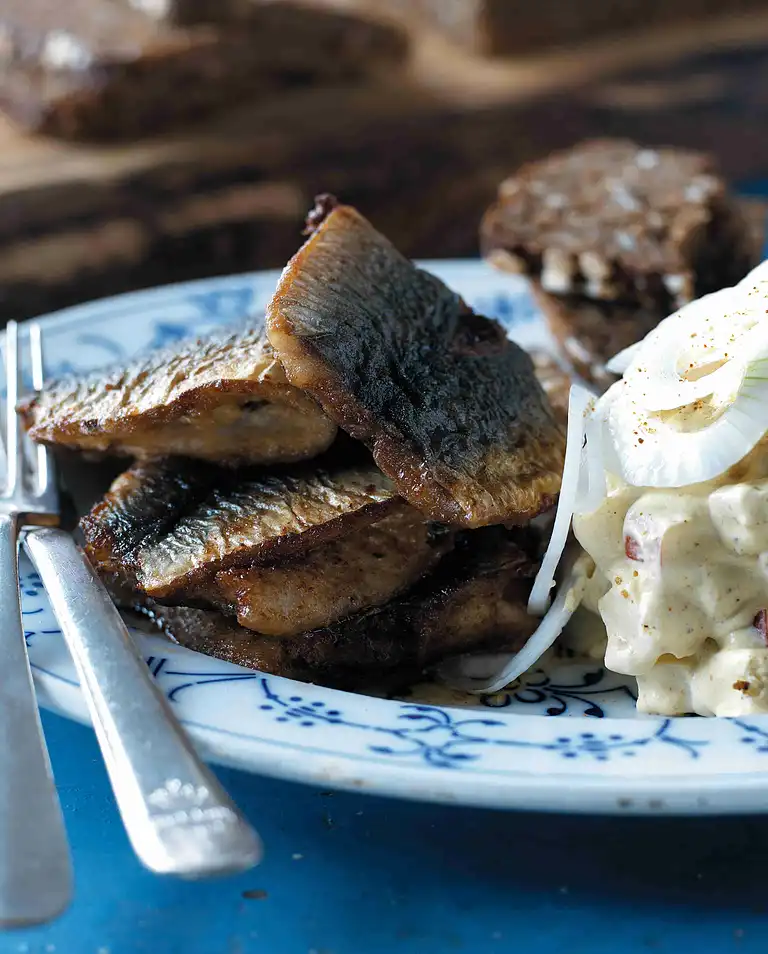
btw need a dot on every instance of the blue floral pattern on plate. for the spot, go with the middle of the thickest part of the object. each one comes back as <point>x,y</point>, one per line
<point>568,738</point>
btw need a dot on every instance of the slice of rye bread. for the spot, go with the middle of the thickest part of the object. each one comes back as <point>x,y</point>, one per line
<point>613,221</point>
<point>103,69</point>
<point>512,27</point>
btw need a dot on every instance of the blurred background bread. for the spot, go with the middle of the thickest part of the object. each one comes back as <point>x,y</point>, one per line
<point>414,112</point>
<point>519,27</point>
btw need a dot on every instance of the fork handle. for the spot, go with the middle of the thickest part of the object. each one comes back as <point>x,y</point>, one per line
<point>177,816</point>
<point>35,865</point>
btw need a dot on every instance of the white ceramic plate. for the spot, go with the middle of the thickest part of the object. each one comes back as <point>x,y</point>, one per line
<point>569,740</point>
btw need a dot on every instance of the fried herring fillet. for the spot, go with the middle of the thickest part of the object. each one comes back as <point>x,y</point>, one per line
<point>166,527</point>
<point>223,398</point>
<point>450,408</point>
<point>475,600</point>
<point>334,580</point>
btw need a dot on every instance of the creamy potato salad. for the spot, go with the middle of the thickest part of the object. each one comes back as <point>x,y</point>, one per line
<point>665,486</point>
<point>681,583</point>
<point>673,508</point>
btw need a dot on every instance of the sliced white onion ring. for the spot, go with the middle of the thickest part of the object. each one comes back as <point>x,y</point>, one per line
<point>579,401</point>
<point>490,673</point>
<point>652,452</point>
<point>599,457</point>
<point>709,333</point>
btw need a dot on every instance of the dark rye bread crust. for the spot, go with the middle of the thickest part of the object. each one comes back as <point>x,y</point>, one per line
<point>100,69</point>
<point>589,332</point>
<point>615,237</point>
<point>613,221</point>
<point>310,35</point>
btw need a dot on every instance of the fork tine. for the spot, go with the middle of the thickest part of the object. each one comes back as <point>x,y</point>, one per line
<point>13,446</point>
<point>46,475</point>
<point>36,354</point>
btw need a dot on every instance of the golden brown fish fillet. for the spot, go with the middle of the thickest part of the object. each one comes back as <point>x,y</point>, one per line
<point>364,569</point>
<point>167,527</point>
<point>474,601</point>
<point>223,398</point>
<point>450,408</point>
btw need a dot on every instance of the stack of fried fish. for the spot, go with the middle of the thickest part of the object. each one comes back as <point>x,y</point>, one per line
<point>338,492</point>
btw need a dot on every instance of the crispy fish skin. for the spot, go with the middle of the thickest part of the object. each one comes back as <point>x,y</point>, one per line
<point>335,580</point>
<point>451,409</point>
<point>141,504</point>
<point>232,519</point>
<point>223,398</point>
<point>474,601</point>
<point>260,520</point>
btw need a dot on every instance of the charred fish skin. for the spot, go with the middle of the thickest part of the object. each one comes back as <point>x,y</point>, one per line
<point>474,601</point>
<point>142,503</point>
<point>213,634</point>
<point>308,548</point>
<point>450,408</point>
<point>222,398</point>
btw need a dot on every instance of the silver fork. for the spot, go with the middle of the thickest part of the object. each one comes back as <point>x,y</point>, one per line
<point>178,817</point>
<point>35,866</point>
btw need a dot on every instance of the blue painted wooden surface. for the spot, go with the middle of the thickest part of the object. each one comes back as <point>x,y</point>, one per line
<point>351,874</point>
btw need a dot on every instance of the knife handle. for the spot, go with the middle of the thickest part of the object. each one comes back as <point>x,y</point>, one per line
<point>179,819</point>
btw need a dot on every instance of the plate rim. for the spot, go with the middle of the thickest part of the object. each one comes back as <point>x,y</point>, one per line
<point>679,794</point>
<point>713,793</point>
